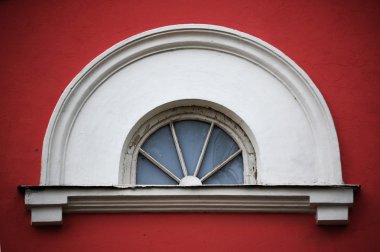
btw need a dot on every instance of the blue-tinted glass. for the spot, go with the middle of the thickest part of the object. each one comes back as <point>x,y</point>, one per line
<point>191,137</point>
<point>160,145</point>
<point>219,148</point>
<point>149,174</point>
<point>232,173</point>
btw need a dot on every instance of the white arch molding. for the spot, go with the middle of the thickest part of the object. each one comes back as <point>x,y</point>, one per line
<point>257,86</point>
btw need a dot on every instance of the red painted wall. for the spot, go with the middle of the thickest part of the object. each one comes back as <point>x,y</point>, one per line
<point>44,44</point>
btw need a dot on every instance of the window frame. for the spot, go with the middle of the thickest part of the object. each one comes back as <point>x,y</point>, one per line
<point>188,113</point>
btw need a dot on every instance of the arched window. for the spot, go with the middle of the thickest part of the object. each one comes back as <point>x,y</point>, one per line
<point>191,118</point>
<point>190,146</point>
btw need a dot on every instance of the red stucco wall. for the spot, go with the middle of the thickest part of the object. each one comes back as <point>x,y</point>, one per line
<point>44,44</point>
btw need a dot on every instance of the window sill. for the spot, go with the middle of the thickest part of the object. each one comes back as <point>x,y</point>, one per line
<point>329,203</point>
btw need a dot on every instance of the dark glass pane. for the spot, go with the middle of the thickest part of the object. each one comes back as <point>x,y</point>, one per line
<point>220,147</point>
<point>191,137</point>
<point>232,173</point>
<point>160,145</point>
<point>149,174</point>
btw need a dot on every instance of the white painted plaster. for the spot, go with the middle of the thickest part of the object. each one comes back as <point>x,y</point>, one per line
<point>47,215</point>
<point>332,215</point>
<point>190,181</point>
<point>277,105</point>
<point>284,138</point>
<point>282,111</point>
<point>46,210</point>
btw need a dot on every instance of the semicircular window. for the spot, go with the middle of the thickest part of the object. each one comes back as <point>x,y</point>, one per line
<point>187,153</point>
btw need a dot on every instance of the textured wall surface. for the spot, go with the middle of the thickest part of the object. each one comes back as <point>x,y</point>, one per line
<point>44,44</point>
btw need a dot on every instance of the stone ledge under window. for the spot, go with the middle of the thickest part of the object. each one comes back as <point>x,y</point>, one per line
<point>330,203</point>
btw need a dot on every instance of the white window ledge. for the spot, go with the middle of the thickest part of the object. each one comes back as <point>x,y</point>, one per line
<point>330,203</point>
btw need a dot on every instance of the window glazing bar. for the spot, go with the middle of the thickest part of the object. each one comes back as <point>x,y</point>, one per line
<point>159,165</point>
<point>179,151</point>
<point>220,166</point>
<point>200,160</point>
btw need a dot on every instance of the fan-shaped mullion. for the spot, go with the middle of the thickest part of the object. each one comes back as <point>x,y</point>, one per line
<point>178,149</point>
<point>201,156</point>
<point>159,165</point>
<point>221,165</point>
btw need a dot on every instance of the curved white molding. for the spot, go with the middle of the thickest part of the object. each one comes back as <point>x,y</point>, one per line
<point>175,40</point>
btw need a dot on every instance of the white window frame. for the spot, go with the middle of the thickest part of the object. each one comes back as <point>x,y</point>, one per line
<point>128,171</point>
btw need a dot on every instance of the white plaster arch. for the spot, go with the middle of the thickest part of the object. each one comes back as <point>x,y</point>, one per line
<point>294,133</point>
